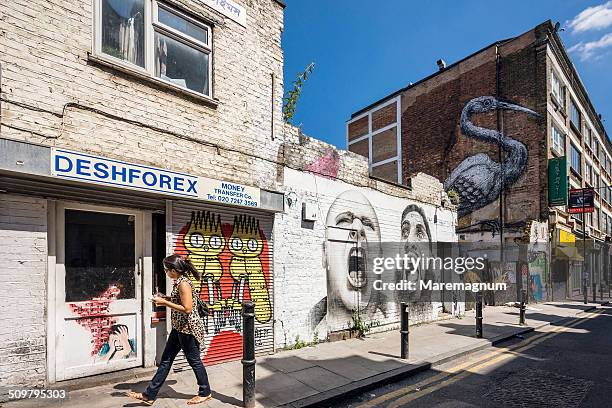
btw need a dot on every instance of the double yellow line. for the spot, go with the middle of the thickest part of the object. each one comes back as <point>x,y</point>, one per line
<point>456,373</point>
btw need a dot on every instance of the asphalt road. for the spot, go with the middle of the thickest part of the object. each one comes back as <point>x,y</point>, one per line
<point>561,366</point>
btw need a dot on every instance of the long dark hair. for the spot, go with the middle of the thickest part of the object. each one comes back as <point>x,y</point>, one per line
<point>182,265</point>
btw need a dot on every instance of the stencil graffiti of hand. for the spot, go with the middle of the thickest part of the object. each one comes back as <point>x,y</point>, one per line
<point>119,343</point>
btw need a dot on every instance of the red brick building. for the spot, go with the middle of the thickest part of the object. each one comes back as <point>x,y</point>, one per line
<point>486,127</point>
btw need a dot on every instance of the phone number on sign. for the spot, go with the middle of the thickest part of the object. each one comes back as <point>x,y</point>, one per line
<point>41,394</point>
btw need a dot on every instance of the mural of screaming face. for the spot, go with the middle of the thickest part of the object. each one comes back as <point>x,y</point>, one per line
<point>352,231</point>
<point>119,344</point>
<point>415,242</point>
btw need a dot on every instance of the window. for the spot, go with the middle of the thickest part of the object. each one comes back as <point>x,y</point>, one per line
<point>575,116</point>
<point>558,90</point>
<point>179,46</point>
<point>596,182</point>
<point>588,171</point>
<point>602,156</point>
<point>558,140</point>
<point>593,141</point>
<point>609,225</point>
<point>575,159</point>
<point>376,135</point>
<point>604,222</point>
<point>596,218</point>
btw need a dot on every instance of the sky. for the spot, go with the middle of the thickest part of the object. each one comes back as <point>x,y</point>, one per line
<point>365,50</point>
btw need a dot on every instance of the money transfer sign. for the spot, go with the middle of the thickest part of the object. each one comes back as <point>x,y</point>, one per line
<point>83,167</point>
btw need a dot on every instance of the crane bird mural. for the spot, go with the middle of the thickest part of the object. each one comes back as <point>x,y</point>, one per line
<point>478,180</point>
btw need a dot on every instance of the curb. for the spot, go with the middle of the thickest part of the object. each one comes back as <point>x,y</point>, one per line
<point>339,394</point>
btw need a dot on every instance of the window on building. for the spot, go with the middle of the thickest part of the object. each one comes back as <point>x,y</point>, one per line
<point>604,222</point>
<point>588,173</point>
<point>180,45</point>
<point>380,130</point>
<point>604,189</point>
<point>575,159</point>
<point>596,181</point>
<point>558,140</point>
<point>596,218</point>
<point>602,156</point>
<point>575,116</point>
<point>558,90</point>
<point>609,225</point>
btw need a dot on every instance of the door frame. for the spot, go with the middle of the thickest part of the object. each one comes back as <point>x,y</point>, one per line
<point>55,281</point>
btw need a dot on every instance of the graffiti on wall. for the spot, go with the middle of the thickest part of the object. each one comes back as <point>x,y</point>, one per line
<point>233,260</point>
<point>353,234</point>
<point>110,340</point>
<point>479,180</point>
<point>326,166</point>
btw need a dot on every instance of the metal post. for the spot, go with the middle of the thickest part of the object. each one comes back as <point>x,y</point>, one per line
<point>404,330</point>
<point>248,354</point>
<point>594,290</point>
<point>522,310</point>
<point>478,315</point>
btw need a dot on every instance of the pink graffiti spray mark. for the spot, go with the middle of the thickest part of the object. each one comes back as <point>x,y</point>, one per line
<point>94,315</point>
<point>326,166</point>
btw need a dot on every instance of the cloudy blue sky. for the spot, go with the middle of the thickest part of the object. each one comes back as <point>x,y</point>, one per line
<point>365,50</point>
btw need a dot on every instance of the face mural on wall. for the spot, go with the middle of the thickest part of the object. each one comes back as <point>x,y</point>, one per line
<point>233,260</point>
<point>353,232</point>
<point>478,180</point>
<point>415,242</point>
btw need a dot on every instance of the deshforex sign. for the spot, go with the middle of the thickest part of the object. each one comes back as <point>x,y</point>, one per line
<point>99,170</point>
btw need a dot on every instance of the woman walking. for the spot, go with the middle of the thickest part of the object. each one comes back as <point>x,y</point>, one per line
<point>187,331</point>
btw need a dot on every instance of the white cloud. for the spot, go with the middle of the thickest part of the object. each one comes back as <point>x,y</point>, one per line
<point>589,50</point>
<point>592,18</point>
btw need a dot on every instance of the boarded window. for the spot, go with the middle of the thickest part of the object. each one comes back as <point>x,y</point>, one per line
<point>384,117</point>
<point>384,145</point>
<point>358,128</point>
<point>386,171</point>
<point>361,148</point>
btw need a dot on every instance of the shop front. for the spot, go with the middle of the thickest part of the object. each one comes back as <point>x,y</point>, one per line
<point>106,225</point>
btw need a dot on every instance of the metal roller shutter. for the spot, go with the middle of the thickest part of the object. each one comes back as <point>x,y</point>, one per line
<point>233,250</point>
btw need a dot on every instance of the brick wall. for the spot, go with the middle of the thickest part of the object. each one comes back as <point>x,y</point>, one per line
<point>44,46</point>
<point>433,141</point>
<point>318,174</point>
<point>23,250</point>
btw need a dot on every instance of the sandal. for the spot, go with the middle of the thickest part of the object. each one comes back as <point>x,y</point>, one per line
<point>198,400</point>
<point>140,397</point>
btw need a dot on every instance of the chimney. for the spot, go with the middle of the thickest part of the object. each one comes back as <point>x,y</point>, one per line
<point>441,64</point>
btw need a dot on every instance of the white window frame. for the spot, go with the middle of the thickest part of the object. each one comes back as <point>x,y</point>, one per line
<point>152,24</point>
<point>368,136</point>
<point>557,88</point>
<point>558,147</point>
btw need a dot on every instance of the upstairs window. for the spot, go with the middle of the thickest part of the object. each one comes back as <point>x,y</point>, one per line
<point>156,40</point>
<point>575,116</point>
<point>575,159</point>
<point>558,90</point>
<point>558,140</point>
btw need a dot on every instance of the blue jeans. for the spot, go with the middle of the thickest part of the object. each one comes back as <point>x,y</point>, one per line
<point>191,349</point>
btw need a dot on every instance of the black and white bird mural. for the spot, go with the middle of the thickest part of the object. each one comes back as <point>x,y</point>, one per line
<point>478,180</point>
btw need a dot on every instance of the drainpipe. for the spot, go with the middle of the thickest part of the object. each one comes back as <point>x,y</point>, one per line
<point>500,128</point>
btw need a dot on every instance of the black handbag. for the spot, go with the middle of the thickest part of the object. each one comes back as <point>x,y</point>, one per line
<point>202,308</point>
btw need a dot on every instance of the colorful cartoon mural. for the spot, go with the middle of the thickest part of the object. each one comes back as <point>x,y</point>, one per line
<point>233,259</point>
<point>119,344</point>
<point>478,180</point>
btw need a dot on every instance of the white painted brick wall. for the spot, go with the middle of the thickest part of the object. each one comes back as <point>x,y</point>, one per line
<point>44,46</point>
<point>23,250</point>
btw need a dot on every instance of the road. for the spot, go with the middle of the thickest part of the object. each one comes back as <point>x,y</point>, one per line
<point>561,366</point>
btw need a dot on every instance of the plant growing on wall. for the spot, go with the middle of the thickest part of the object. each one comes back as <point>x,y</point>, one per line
<point>293,95</point>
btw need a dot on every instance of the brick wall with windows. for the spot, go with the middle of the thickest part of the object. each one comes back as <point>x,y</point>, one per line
<point>161,81</point>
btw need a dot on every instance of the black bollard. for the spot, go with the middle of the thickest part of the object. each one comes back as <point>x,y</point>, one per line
<point>522,311</point>
<point>594,292</point>
<point>478,316</point>
<point>248,354</point>
<point>404,330</point>
<point>601,292</point>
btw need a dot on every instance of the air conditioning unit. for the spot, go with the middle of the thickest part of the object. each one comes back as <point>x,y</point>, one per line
<point>309,211</point>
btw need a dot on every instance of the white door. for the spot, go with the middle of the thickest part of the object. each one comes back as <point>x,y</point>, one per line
<point>98,290</point>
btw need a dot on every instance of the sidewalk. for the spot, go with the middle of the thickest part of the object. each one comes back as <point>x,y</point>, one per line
<point>307,376</point>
